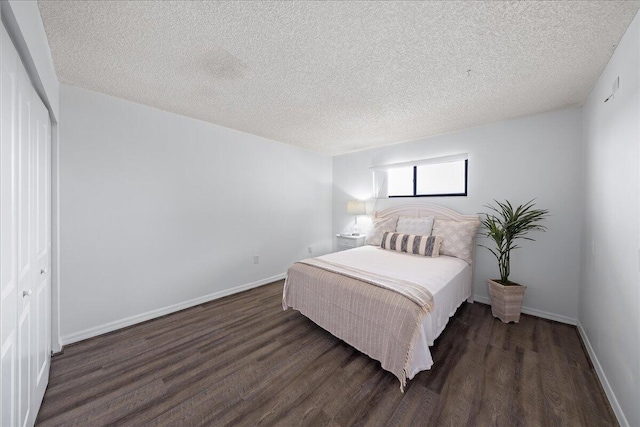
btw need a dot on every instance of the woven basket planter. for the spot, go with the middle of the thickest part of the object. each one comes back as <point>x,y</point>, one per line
<point>506,301</point>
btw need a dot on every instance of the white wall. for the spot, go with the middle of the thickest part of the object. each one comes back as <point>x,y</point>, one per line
<point>158,209</point>
<point>533,157</point>
<point>610,293</point>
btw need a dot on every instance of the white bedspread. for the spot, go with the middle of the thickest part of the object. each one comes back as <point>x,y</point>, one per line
<point>447,278</point>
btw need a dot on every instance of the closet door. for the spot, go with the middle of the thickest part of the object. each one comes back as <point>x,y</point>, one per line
<point>41,297</point>
<point>26,244</point>
<point>8,234</point>
<point>26,267</point>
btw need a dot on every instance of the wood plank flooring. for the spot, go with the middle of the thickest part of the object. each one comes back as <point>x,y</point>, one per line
<point>242,361</point>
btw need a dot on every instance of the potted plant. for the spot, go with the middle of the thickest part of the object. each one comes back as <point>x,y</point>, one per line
<point>504,226</point>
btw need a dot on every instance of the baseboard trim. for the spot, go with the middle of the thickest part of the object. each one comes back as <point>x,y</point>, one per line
<point>613,401</point>
<point>535,312</point>
<point>143,317</point>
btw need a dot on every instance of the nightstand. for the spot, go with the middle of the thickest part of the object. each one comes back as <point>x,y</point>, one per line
<point>349,242</point>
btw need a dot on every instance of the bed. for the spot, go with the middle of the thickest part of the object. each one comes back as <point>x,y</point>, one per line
<point>389,304</point>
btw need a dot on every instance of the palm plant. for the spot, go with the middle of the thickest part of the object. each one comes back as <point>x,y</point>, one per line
<point>505,225</point>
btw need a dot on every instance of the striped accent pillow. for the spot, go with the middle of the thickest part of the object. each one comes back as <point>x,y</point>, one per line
<point>412,243</point>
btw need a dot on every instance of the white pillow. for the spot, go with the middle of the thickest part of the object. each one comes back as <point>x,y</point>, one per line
<point>419,225</point>
<point>457,237</point>
<point>378,228</point>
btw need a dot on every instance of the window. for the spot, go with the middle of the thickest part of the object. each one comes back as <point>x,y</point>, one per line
<point>445,176</point>
<point>401,181</point>
<point>442,179</point>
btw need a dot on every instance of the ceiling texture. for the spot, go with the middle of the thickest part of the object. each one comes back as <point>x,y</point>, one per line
<point>337,77</point>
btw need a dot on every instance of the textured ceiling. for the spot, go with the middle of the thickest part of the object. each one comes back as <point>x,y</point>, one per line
<point>337,77</point>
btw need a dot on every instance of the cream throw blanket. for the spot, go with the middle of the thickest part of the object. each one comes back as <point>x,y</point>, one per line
<point>382,321</point>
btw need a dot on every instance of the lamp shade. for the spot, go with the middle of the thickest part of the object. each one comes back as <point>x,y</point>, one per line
<point>356,207</point>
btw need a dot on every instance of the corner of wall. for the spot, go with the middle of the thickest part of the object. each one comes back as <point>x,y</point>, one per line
<point>617,409</point>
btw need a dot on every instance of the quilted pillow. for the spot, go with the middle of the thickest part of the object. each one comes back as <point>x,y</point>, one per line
<point>379,226</point>
<point>415,225</point>
<point>457,237</point>
<point>412,243</point>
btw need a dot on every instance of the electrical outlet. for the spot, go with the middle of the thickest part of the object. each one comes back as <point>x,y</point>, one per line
<point>256,259</point>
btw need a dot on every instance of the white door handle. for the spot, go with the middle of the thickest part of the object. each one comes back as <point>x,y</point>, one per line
<point>26,293</point>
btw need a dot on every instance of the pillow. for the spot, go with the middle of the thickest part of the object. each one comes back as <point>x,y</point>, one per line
<point>412,243</point>
<point>379,226</point>
<point>415,225</point>
<point>457,237</point>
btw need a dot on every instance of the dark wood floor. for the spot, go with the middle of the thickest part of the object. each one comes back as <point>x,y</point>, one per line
<point>241,360</point>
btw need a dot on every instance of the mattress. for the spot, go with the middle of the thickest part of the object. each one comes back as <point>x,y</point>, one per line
<point>447,278</point>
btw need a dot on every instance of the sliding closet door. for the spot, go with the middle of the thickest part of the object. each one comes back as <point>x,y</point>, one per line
<point>8,234</point>
<point>26,244</point>
<point>25,241</point>
<point>41,297</point>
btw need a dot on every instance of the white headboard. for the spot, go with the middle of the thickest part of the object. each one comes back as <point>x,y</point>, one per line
<point>425,209</point>
<point>436,211</point>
